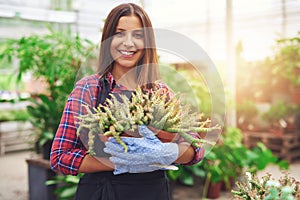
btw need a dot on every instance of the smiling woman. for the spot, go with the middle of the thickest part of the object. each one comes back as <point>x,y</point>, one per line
<point>127,61</point>
<point>127,46</point>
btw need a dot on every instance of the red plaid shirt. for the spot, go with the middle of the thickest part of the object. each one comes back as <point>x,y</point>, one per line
<point>67,149</point>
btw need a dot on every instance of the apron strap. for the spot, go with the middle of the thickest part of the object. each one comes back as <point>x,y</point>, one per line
<point>105,87</point>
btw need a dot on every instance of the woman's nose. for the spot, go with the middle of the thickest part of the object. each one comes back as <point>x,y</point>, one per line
<point>128,41</point>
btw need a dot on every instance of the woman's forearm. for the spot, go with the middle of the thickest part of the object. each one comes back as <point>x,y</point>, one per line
<point>186,153</point>
<point>91,164</point>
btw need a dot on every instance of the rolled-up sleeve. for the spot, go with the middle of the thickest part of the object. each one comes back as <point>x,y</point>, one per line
<point>67,150</point>
<point>199,151</point>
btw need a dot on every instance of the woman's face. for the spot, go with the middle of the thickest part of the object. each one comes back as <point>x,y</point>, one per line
<point>127,45</point>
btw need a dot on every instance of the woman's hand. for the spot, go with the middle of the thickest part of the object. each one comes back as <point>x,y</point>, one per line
<point>143,153</point>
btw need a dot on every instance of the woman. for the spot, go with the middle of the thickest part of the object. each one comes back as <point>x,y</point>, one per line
<point>127,59</point>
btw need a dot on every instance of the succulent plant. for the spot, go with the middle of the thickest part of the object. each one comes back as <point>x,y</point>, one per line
<point>267,188</point>
<point>119,115</point>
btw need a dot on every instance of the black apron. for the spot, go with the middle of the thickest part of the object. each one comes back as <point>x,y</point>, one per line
<point>107,186</point>
<point>128,186</point>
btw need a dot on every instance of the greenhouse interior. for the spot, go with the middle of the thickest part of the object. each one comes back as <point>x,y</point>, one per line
<point>234,64</point>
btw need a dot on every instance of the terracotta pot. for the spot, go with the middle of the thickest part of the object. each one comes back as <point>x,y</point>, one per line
<point>214,190</point>
<point>202,135</point>
<point>163,136</point>
<point>229,186</point>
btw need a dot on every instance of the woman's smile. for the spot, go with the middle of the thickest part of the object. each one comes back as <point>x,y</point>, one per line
<point>127,54</point>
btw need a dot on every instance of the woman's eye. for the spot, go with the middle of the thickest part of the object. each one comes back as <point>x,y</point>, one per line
<point>119,34</point>
<point>138,35</point>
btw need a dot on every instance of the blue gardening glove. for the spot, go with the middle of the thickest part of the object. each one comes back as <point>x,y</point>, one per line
<point>142,152</point>
<point>120,169</point>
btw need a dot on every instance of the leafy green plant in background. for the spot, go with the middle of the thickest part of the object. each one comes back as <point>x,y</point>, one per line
<point>226,160</point>
<point>286,60</point>
<point>67,186</point>
<point>259,157</point>
<point>56,59</point>
<point>44,116</point>
<point>8,82</point>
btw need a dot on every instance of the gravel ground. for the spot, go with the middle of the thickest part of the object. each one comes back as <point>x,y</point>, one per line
<point>14,180</point>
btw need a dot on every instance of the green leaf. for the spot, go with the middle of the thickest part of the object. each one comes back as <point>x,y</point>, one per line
<point>51,182</point>
<point>283,165</point>
<point>198,171</point>
<point>173,174</point>
<point>187,179</point>
<point>67,193</point>
<point>72,179</point>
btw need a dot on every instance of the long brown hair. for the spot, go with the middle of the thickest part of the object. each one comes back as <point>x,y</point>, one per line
<point>147,72</point>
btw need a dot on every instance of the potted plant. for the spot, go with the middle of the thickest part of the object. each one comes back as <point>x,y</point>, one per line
<point>54,58</point>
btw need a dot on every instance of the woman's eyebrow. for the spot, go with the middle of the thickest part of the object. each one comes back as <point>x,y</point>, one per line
<point>120,29</point>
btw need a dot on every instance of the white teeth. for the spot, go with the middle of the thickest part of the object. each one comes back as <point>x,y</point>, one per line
<point>127,53</point>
